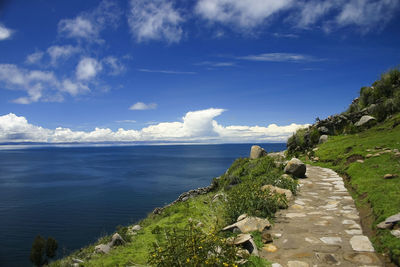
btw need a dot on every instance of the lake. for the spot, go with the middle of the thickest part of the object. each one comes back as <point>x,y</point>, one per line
<point>77,194</point>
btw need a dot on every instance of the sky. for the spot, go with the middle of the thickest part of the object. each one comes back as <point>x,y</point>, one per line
<point>199,71</point>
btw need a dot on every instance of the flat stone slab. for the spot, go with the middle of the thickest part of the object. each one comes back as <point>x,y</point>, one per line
<point>361,243</point>
<point>331,240</point>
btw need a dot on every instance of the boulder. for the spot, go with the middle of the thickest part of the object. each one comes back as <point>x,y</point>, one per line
<point>102,248</point>
<point>295,167</point>
<point>257,152</point>
<point>246,241</point>
<point>277,190</point>
<point>323,138</point>
<point>395,233</point>
<point>249,224</point>
<point>116,240</point>
<point>323,130</point>
<point>389,222</point>
<point>136,228</point>
<point>365,121</point>
<point>241,217</point>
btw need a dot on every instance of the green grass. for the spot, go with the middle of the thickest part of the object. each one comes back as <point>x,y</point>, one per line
<point>383,196</point>
<point>213,215</point>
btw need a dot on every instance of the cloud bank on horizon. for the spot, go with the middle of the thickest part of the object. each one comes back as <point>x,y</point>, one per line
<point>195,127</point>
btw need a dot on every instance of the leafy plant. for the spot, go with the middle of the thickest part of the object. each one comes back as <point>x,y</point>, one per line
<point>43,250</point>
<point>192,247</point>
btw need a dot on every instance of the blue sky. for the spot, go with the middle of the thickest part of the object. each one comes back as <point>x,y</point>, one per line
<point>190,71</point>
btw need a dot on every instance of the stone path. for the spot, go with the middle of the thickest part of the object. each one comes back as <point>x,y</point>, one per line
<point>321,227</point>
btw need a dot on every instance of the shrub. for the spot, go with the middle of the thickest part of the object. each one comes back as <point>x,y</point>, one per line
<point>249,198</point>
<point>43,250</point>
<point>193,247</point>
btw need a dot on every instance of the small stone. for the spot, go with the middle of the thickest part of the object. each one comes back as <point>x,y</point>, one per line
<point>297,264</point>
<point>270,248</point>
<point>354,232</point>
<point>277,235</point>
<point>360,161</point>
<point>136,227</point>
<point>361,243</point>
<point>369,156</point>
<point>249,224</point>
<point>361,258</point>
<point>295,215</point>
<point>297,207</point>
<point>390,176</point>
<point>395,233</point>
<point>331,240</point>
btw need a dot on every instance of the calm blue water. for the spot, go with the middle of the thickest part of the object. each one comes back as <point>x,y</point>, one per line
<point>76,194</point>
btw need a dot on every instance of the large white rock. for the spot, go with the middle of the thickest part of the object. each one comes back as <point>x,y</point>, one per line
<point>365,120</point>
<point>257,152</point>
<point>250,224</point>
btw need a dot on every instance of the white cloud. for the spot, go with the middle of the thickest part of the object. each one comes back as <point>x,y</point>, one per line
<point>57,52</point>
<point>367,13</point>
<point>195,126</point>
<point>115,65</point>
<point>88,25</point>
<point>39,85</point>
<point>242,13</point>
<point>5,33</point>
<point>216,64</point>
<point>34,58</point>
<point>87,68</point>
<point>279,57</point>
<point>143,106</point>
<point>167,71</point>
<point>155,20</point>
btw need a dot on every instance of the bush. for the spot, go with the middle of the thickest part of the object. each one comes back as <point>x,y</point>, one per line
<point>43,250</point>
<point>249,198</point>
<point>193,247</point>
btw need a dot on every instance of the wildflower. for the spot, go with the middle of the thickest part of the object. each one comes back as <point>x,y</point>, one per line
<point>187,260</point>
<point>225,264</point>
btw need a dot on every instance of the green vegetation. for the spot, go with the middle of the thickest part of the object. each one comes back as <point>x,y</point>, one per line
<point>370,189</point>
<point>191,229</point>
<point>42,251</point>
<point>381,100</point>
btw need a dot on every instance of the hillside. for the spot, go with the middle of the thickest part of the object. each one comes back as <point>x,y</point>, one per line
<point>366,154</point>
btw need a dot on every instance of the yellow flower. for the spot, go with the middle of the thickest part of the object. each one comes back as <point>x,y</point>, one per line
<point>225,264</point>
<point>200,247</point>
<point>187,260</point>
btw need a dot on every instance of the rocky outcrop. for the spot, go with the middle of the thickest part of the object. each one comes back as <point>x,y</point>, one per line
<point>277,190</point>
<point>257,152</point>
<point>296,168</point>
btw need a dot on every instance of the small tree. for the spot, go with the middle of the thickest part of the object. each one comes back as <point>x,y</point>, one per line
<point>43,250</point>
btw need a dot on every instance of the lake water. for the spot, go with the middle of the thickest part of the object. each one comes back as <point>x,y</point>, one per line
<point>77,194</point>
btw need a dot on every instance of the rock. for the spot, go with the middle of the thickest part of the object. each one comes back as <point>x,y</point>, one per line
<point>75,264</point>
<point>246,241</point>
<point>266,237</point>
<point>361,243</point>
<point>322,139</point>
<point>242,253</point>
<point>295,167</point>
<point>384,225</point>
<point>316,159</point>
<point>270,248</point>
<point>218,197</point>
<point>199,225</point>
<point>250,224</point>
<point>102,248</point>
<point>390,176</point>
<point>116,240</point>
<point>395,233</point>
<point>361,258</point>
<point>75,260</point>
<point>241,217</point>
<point>360,161</point>
<point>393,219</point>
<point>257,152</point>
<point>136,228</point>
<point>157,211</point>
<point>365,121</point>
<point>277,190</point>
<point>331,240</point>
<point>323,130</point>
<point>368,155</point>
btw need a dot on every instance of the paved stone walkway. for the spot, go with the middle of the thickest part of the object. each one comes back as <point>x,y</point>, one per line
<point>321,227</point>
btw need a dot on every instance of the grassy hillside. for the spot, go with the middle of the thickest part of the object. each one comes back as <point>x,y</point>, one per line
<point>371,190</point>
<point>162,235</point>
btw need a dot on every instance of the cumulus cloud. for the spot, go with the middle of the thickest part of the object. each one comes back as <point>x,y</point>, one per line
<point>242,13</point>
<point>38,85</point>
<point>155,20</point>
<point>87,68</point>
<point>34,58</point>
<point>5,33</point>
<point>57,52</point>
<point>114,64</point>
<point>143,106</point>
<point>195,126</point>
<point>88,25</point>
